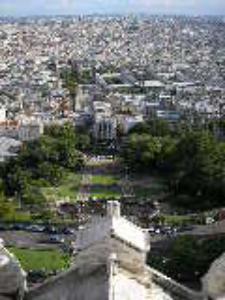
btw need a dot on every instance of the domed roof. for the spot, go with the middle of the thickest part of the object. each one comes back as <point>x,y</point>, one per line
<point>214,280</point>
<point>12,277</point>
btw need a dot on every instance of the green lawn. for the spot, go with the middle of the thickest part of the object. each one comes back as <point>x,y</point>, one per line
<point>104,180</point>
<point>36,260</point>
<point>179,220</point>
<point>68,188</point>
<point>105,187</point>
<point>105,194</point>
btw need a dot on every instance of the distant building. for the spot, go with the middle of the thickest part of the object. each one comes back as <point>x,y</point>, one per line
<point>2,114</point>
<point>9,128</point>
<point>129,122</point>
<point>168,115</point>
<point>105,128</point>
<point>24,131</point>
<point>30,131</point>
<point>150,108</point>
<point>9,147</point>
<point>105,125</point>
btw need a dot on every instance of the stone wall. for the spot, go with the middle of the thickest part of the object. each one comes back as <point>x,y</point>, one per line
<point>125,286</point>
<point>128,256</point>
<point>12,277</point>
<point>120,227</point>
<point>176,290</point>
<point>90,276</point>
<point>111,265</point>
<point>214,281</point>
<point>75,284</point>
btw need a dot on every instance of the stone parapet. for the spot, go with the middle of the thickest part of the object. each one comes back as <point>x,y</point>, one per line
<point>176,290</point>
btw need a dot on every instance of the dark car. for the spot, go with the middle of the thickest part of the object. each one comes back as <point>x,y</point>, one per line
<point>3,227</point>
<point>17,226</point>
<point>56,239</point>
<point>51,229</point>
<point>68,231</point>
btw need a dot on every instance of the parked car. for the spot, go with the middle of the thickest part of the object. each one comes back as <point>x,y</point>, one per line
<point>68,231</point>
<point>51,229</point>
<point>17,226</point>
<point>35,228</point>
<point>3,227</point>
<point>151,229</point>
<point>157,230</point>
<point>56,239</point>
<point>81,227</point>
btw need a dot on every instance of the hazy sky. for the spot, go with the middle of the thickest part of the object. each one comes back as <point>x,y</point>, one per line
<point>31,7</point>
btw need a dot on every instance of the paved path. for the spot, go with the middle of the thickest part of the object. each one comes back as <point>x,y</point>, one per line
<point>213,229</point>
<point>32,240</point>
<point>93,166</point>
<point>84,192</point>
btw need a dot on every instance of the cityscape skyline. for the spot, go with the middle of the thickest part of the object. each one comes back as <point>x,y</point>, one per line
<point>112,147</point>
<point>68,7</point>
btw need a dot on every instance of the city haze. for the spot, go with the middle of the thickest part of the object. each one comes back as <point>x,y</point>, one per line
<point>64,7</point>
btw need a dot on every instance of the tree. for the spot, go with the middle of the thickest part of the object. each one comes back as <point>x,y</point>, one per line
<point>200,162</point>
<point>155,127</point>
<point>52,173</point>
<point>83,141</point>
<point>190,257</point>
<point>146,152</point>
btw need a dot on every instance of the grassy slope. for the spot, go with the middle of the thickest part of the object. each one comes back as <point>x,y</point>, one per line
<point>49,260</point>
<point>67,189</point>
<point>104,180</point>
<point>105,187</point>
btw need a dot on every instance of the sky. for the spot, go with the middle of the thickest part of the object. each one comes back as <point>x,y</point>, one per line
<point>52,7</point>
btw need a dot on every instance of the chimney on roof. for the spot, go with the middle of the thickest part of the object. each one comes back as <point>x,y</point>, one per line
<point>113,209</point>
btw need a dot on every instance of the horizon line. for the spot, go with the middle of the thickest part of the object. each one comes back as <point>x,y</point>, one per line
<point>112,14</point>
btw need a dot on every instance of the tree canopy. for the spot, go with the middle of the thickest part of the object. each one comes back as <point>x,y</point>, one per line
<point>41,163</point>
<point>193,162</point>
